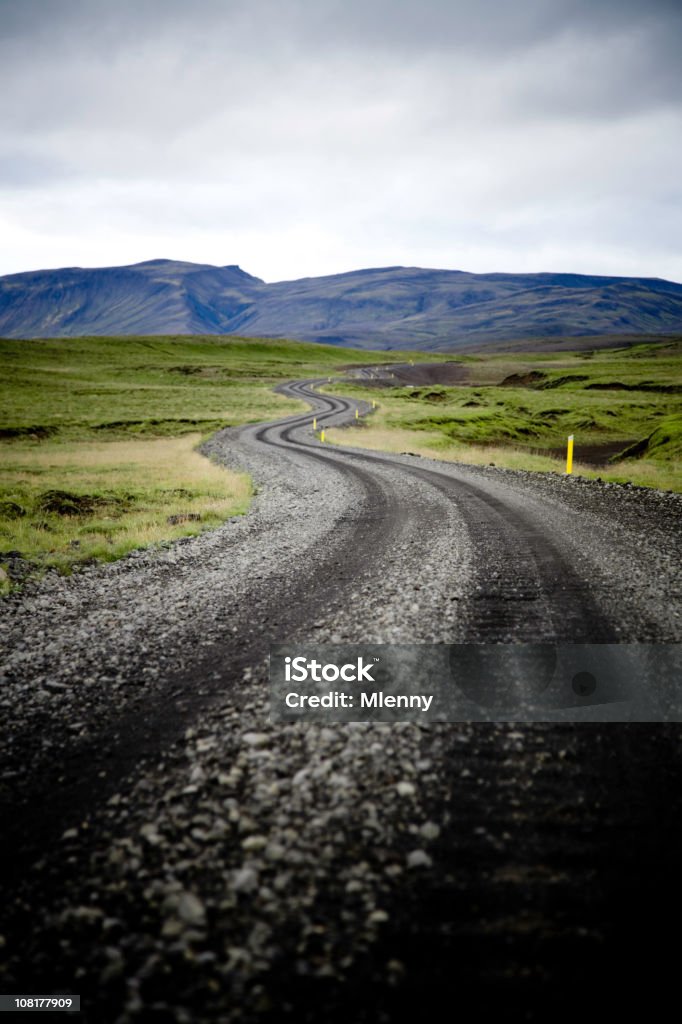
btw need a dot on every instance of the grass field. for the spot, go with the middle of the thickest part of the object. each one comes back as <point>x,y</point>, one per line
<point>67,388</point>
<point>98,436</point>
<point>624,408</point>
<point>99,499</point>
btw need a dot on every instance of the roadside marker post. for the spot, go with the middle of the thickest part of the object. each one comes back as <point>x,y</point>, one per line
<point>314,423</point>
<point>374,404</point>
<point>357,414</point>
<point>322,436</point>
<point>569,455</point>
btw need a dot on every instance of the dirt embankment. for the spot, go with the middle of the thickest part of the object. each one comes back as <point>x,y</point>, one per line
<point>397,375</point>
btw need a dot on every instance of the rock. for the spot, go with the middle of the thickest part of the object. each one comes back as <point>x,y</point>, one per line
<point>150,833</point>
<point>430,830</point>
<point>419,859</point>
<point>339,781</point>
<point>405,788</point>
<point>255,739</point>
<point>191,910</point>
<point>253,843</point>
<point>245,880</point>
<point>54,687</point>
<point>172,928</point>
<point>275,851</point>
<point>183,517</point>
<point>205,744</point>
<point>81,915</point>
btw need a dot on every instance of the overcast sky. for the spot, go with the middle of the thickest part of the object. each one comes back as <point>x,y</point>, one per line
<point>304,137</point>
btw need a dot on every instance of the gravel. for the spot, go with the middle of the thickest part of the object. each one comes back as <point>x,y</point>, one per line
<point>204,864</point>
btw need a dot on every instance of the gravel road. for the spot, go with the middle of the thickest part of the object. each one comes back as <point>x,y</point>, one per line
<point>171,855</point>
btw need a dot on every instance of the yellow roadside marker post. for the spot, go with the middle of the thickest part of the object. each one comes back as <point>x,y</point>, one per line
<point>322,436</point>
<point>569,455</point>
<point>374,404</point>
<point>314,423</point>
<point>357,415</point>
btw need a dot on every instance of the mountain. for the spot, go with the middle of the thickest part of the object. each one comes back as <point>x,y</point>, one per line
<point>157,297</point>
<point>391,307</point>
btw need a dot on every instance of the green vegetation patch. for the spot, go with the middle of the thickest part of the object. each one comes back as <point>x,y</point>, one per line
<point>665,442</point>
<point>64,388</point>
<point>624,409</point>
<point>98,436</point>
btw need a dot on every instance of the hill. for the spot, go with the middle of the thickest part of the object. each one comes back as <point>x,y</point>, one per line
<point>386,308</point>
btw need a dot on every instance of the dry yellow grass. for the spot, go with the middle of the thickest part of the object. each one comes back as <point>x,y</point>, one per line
<point>170,460</point>
<point>138,484</point>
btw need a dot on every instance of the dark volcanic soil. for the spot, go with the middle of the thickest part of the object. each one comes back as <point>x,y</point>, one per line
<point>589,454</point>
<point>400,374</point>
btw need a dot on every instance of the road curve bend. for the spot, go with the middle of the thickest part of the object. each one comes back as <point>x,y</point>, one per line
<point>528,557</point>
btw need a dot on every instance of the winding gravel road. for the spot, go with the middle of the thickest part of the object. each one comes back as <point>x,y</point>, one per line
<point>171,855</point>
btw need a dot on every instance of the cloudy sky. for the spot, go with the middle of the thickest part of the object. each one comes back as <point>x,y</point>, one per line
<point>303,137</point>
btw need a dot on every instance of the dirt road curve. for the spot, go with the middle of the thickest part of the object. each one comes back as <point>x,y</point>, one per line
<point>172,856</point>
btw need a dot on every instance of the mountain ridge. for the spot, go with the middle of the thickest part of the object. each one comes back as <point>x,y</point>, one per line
<point>380,307</point>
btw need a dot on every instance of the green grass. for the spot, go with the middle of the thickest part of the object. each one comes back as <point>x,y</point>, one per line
<point>66,388</point>
<point>112,424</point>
<point>611,401</point>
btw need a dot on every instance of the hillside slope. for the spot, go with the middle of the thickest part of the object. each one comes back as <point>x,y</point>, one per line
<point>391,307</point>
<point>157,297</point>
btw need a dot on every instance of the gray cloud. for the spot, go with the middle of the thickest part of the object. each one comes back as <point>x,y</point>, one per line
<point>305,136</point>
